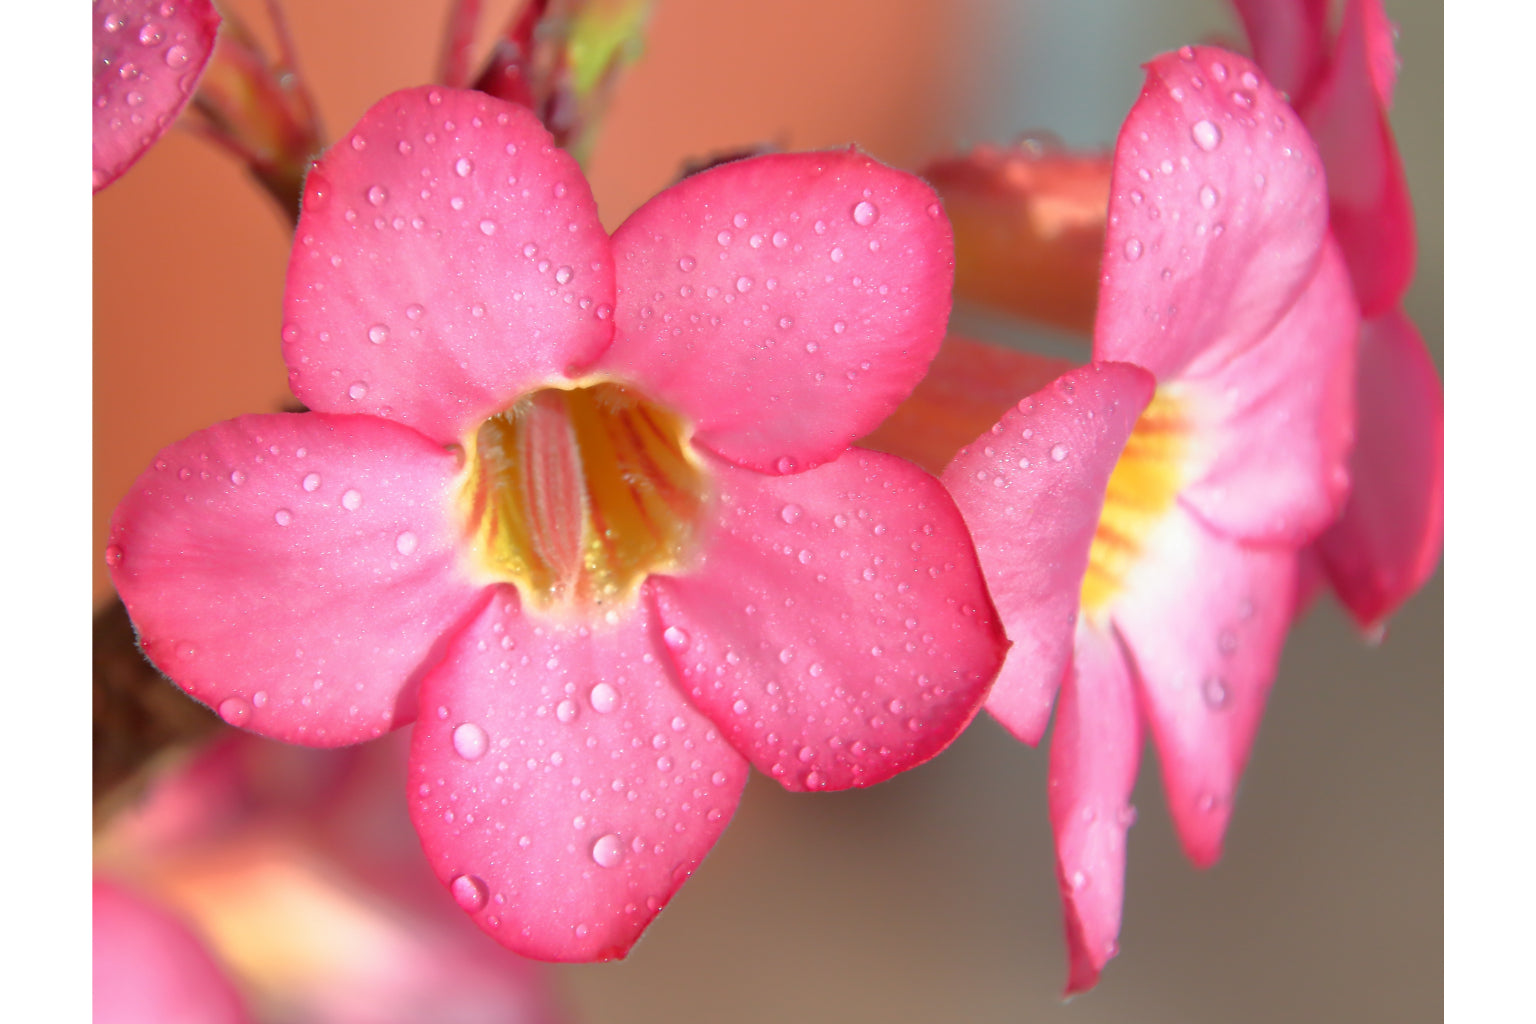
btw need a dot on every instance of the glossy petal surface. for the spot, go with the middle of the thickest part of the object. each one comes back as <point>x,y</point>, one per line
<point>1387,541</point>
<point>147,967</point>
<point>294,571</point>
<point>1033,517</point>
<point>1205,618</point>
<point>146,59</point>
<point>1217,214</point>
<point>1290,39</point>
<point>836,627</point>
<point>448,258</point>
<point>784,304</point>
<point>968,387</point>
<point>1371,211</point>
<point>562,786</point>
<point>1272,426</point>
<point>1094,754</point>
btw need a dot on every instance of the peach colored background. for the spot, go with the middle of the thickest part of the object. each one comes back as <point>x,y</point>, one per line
<point>932,897</point>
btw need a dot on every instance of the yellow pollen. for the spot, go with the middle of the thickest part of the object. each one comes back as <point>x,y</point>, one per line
<point>575,496</point>
<point>1143,486</point>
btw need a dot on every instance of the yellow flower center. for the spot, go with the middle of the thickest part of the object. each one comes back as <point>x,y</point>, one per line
<point>575,496</point>
<point>1143,486</point>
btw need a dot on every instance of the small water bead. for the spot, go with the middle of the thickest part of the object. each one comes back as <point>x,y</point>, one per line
<point>357,391</point>
<point>790,514</point>
<point>379,334</point>
<point>282,517</point>
<point>724,238</point>
<point>838,327</point>
<point>675,638</point>
<point>563,275</point>
<point>1208,197</point>
<point>836,254</point>
<point>311,482</point>
<point>608,851</point>
<point>780,239</point>
<point>237,477</point>
<point>151,34</point>
<point>462,167</point>
<point>377,195</point>
<point>865,214</point>
<point>1059,452</point>
<point>603,698</point>
<point>1206,135</point>
<point>405,543</point>
<point>177,56</point>
<point>1133,249</point>
<point>743,284</point>
<point>114,555</point>
<point>1215,693</point>
<point>351,500</point>
<point>235,711</point>
<point>566,711</point>
<point>470,742</point>
<point>469,892</point>
<point>487,227</point>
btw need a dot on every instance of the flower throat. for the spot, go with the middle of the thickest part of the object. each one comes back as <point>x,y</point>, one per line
<point>577,495</point>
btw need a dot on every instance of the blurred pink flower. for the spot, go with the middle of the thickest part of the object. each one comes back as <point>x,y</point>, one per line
<point>1138,520</point>
<point>588,503</point>
<point>147,59</point>
<point>1388,537</point>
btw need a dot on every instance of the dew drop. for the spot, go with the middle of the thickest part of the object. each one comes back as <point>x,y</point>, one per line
<point>311,482</point>
<point>177,56</point>
<point>1215,693</point>
<point>357,391</point>
<point>114,555</point>
<point>235,711</point>
<point>351,500</point>
<point>743,284</point>
<point>377,195</point>
<point>462,167</point>
<point>1208,197</point>
<point>865,214</point>
<point>1133,249</point>
<point>405,543</point>
<point>379,334</point>
<point>414,311</point>
<point>785,465</point>
<point>151,35</point>
<point>563,275</point>
<point>790,513</point>
<point>836,254</point>
<point>604,698</point>
<point>469,892</point>
<point>487,227</point>
<point>282,517</point>
<point>675,638</point>
<point>237,477</point>
<point>780,239</point>
<point>1059,452</point>
<point>1206,135</point>
<point>566,711</point>
<point>469,741</point>
<point>608,851</point>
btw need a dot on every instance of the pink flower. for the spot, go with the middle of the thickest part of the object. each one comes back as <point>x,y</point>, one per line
<point>587,503</point>
<point>1138,520</point>
<point>1388,537</point>
<point>147,967</point>
<point>147,59</point>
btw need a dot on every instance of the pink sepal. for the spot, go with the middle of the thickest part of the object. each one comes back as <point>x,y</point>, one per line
<point>1095,749</point>
<point>836,627</point>
<point>1271,428</point>
<point>294,571</point>
<point>448,258</point>
<point>146,60</point>
<point>1033,516</point>
<point>147,967</point>
<point>1217,214</point>
<point>1387,541</point>
<point>785,303</point>
<point>562,786</point>
<point>1204,618</point>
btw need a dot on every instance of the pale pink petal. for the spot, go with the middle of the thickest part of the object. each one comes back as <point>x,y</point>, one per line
<point>147,58</point>
<point>1378,35</point>
<point>1217,214</point>
<point>1204,618</point>
<point>294,571</point>
<point>1095,749</point>
<point>784,304</point>
<point>836,626</point>
<point>147,967</point>
<point>1289,39</point>
<point>448,258</point>
<point>1271,428</point>
<point>1033,516</point>
<point>1387,541</point>
<point>1372,213</point>
<point>562,786</point>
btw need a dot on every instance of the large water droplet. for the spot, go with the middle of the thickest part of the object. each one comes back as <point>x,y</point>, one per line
<point>1208,197</point>
<point>469,892</point>
<point>311,482</point>
<point>790,513</point>
<point>282,517</point>
<point>378,334</point>
<point>566,711</point>
<point>1133,249</point>
<point>469,741</point>
<point>675,638</point>
<point>865,214</point>
<point>377,195</point>
<point>405,543</point>
<point>608,851</point>
<point>1059,452</point>
<point>462,167</point>
<point>357,391</point>
<point>235,711</point>
<point>1206,135</point>
<point>351,501</point>
<point>604,698</point>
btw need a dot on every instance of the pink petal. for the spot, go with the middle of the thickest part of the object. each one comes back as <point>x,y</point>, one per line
<point>785,304</point>
<point>1094,754</point>
<point>1204,619</point>
<point>1368,19</point>
<point>836,627</point>
<point>449,258</point>
<point>147,967</point>
<point>147,58</point>
<point>1272,426</point>
<point>1289,39</point>
<point>1387,541</point>
<point>1033,517</point>
<point>562,786</point>
<point>295,571</point>
<point>1372,213</point>
<point>1216,215</point>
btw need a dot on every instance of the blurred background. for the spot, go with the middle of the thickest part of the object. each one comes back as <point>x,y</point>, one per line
<point>932,897</point>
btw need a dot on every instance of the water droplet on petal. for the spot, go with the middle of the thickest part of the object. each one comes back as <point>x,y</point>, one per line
<point>1206,135</point>
<point>487,227</point>
<point>1215,693</point>
<point>566,711</point>
<point>604,698</point>
<point>1208,197</point>
<point>865,214</point>
<point>469,741</point>
<point>1059,452</point>
<point>462,167</point>
<point>114,555</point>
<point>608,851</point>
<point>282,517</point>
<point>311,482</point>
<point>351,500</point>
<point>563,275</point>
<point>377,195</point>
<point>675,638</point>
<point>379,334</point>
<point>357,391</point>
<point>790,513</point>
<point>469,892</point>
<point>1133,249</point>
<point>235,711</point>
<point>177,56</point>
<point>237,477</point>
<point>405,543</point>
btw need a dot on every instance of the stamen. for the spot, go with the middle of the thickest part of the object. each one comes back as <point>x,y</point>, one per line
<point>577,495</point>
